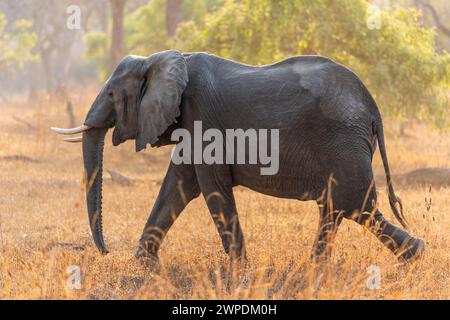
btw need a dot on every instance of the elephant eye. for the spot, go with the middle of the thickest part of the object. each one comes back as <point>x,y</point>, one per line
<point>110,94</point>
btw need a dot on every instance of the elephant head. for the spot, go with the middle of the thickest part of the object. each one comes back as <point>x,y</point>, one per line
<point>140,100</point>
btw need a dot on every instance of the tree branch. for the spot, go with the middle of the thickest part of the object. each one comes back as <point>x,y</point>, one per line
<point>442,28</point>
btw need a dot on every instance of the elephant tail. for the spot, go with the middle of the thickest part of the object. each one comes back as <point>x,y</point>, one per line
<point>393,199</point>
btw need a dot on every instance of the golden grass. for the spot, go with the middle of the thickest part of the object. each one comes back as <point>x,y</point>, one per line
<point>44,228</point>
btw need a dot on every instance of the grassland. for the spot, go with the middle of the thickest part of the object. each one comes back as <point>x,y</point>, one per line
<point>44,228</point>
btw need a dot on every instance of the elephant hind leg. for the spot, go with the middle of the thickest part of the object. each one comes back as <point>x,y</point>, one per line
<point>329,221</point>
<point>399,242</point>
<point>361,208</point>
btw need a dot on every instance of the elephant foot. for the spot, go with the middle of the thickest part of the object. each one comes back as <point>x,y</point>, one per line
<point>150,262</point>
<point>413,250</point>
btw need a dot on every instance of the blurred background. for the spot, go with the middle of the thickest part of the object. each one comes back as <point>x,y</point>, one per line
<point>398,47</point>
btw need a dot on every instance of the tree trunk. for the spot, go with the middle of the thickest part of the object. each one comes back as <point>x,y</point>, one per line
<point>46,69</point>
<point>434,14</point>
<point>33,71</point>
<point>117,34</point>
<point>174,16</point>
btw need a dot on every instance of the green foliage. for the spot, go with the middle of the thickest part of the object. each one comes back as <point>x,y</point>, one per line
<point>398,62</point>
<point>145,31</point>
<point>146,27</point>
<point>16,45</point>
<point>97,46</point>
<point>195,10</point>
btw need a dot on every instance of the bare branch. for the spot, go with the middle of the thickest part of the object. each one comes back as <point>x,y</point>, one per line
<point>441,27</point>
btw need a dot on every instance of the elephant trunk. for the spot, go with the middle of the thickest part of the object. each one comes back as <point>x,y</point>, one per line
<point>93,142</point>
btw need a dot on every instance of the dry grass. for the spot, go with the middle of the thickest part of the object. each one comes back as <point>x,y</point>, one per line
<point>44,228</point>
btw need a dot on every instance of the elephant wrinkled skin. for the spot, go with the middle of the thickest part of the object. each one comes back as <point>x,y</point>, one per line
<point>329,126</point>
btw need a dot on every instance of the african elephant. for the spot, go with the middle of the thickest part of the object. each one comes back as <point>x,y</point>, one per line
<point>328,125</point>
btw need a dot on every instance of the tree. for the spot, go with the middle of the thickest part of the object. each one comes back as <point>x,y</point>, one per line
<point>436,13</point>
<point>147,27</point>
<point>174,15</point>
<point>437,20</point>
<point>398,61</point>
<point>117,48</point>
<point>15,46</point>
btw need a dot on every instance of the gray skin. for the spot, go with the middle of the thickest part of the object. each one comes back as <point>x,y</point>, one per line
<point>329,127</point>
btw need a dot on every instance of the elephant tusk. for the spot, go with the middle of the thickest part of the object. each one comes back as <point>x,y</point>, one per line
<point>74,139</point>
<point>72,130</point>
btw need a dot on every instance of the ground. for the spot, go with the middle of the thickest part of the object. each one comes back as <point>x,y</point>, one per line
<point>44,227</point>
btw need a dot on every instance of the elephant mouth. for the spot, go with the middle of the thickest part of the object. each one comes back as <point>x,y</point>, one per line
<point>117,137</point>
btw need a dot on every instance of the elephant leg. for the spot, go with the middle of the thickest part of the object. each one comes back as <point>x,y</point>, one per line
<point>216,186</point>
<point>402,245</point>
<point>364,212</point>
<point>177,190</point>
<point>329,222</point>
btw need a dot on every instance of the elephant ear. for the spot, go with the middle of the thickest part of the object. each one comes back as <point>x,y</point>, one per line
<point>166,78</point>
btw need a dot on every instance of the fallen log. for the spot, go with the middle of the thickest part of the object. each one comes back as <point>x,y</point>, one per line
<point>18,157</point>
<point>434,177</point>
<point>120,179</point>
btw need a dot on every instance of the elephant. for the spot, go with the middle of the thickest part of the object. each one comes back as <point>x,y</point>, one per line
<point>329,126</point>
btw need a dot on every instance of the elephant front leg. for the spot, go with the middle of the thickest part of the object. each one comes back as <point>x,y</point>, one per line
<point>224,214</point>
<point>177,190</point>
<point>216,186</point>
